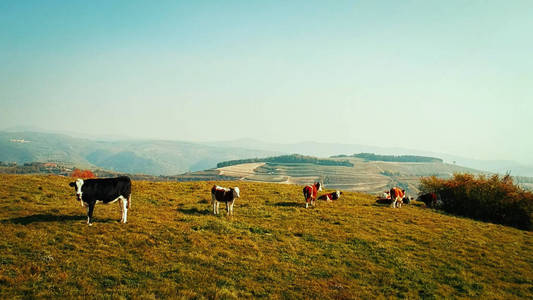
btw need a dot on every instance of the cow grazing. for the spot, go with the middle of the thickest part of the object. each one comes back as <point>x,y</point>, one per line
<point>331,196</point>
<point>430,199</point>
<point>310,193</point>
<point>397,196</point>
<point>227,195</point>
<point>106,190</point>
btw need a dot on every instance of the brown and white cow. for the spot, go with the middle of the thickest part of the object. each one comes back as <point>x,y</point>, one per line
<point>397,195</point>
<point>310,193</point>
<point>331,196</point>
<point>226,195</point>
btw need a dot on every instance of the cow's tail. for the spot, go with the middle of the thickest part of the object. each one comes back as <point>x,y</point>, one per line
<point>129,201</point>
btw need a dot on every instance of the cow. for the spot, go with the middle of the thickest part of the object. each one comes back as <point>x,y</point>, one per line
<point>222,194</point>
<point>430,199</point>
<point>105,190</point>
<point>331,196</point>
<point>397,195</point>
<point>310,193</point>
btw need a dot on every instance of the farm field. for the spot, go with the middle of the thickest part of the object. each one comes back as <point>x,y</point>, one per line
<point>172,246</point>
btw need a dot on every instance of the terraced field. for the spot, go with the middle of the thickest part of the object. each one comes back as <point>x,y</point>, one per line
<point>368,177</point>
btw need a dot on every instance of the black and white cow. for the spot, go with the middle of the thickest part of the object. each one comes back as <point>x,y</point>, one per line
<point>432,200</point>
<point>227,195</point>
<point>106,190</point>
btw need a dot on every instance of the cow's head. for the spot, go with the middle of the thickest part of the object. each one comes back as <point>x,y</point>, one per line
<point>318,186</point>
<point>339,193</point>
<point>236,192</point>
<point>77,187</point>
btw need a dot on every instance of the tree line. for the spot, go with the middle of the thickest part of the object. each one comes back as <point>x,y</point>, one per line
<point>392,158</point>
<point>293,158</point>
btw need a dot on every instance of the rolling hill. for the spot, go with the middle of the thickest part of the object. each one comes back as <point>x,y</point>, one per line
<point>173,247</point>
<point>127,156</point>
<point>355,174</point>
<point>329,149</point>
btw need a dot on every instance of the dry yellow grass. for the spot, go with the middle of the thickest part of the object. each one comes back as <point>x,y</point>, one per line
<point>174,247</point>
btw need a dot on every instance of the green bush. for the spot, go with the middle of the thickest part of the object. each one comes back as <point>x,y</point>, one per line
<point>493,199</point>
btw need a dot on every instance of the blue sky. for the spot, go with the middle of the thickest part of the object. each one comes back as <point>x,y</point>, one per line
<point>443,76</point>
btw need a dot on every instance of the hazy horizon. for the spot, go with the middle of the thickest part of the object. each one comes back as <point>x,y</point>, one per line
<point>449,77</point>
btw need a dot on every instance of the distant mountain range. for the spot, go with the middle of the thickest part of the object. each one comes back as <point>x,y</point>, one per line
<point>152,157</point>
<point>159,157</point>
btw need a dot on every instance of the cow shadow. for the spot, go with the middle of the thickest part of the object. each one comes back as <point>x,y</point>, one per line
<point>288,204</point>
<point>194,211</point>
<point>382,202</point>
<point>43,218</point>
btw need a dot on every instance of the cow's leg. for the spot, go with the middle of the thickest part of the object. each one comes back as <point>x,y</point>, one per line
<point>218,206</point>
<point>90,213</point>
<point>306,203</point>
<point>121,209</point>
<point>213,202</point>
<point>227,207</point>
<point>125,210</point>
<point>393,204</point>
<point>230,208</point>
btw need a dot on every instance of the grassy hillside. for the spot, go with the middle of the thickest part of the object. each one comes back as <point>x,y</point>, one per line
<point>272,247</point>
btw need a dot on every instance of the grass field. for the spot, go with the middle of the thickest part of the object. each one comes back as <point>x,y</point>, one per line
<point>272,248</point>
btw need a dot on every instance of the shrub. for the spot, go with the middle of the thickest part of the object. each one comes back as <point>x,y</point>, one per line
<point>493,199</point>
<point>83,174</point>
